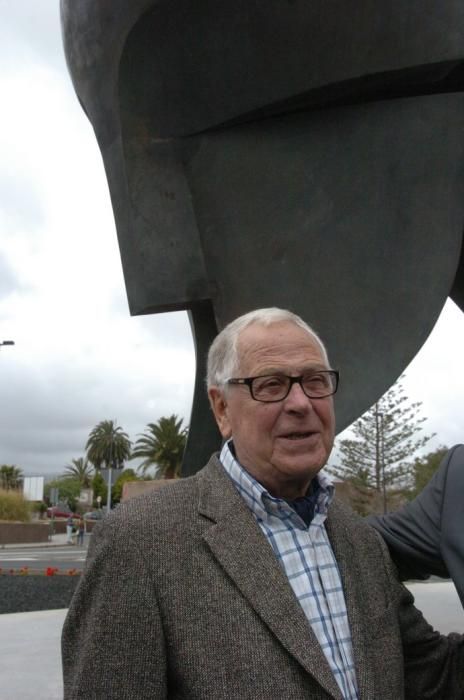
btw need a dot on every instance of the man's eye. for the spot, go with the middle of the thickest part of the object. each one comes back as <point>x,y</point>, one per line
<point>270,383</point>
<point>315,380</point>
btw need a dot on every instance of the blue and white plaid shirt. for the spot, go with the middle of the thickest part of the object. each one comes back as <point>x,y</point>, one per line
<point>306,556</point>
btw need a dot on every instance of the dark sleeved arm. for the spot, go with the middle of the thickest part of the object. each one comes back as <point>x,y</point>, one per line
<point>414,533</point>
<point>112,642</point>
<point>433,663</point>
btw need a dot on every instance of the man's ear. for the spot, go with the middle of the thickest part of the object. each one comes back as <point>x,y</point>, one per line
<point>220,409</point>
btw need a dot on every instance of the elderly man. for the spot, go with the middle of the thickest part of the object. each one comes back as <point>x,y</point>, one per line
<point>247,581</point>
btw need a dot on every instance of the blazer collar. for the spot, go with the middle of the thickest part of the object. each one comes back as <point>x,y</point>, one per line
<point>236,541</point>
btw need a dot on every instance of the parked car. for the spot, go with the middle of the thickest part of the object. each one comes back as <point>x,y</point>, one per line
<point>60,512</point>
<point>93,515</point>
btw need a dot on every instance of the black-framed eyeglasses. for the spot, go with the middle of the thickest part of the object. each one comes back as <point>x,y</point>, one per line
<point>276,387</point>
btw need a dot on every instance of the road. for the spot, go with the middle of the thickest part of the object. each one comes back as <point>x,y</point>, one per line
<point>66,557</point>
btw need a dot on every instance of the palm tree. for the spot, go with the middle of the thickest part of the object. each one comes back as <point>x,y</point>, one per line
<point>11,477</point>
<point>80,469</point>
<point>162,445</point>
<point>108,445</point>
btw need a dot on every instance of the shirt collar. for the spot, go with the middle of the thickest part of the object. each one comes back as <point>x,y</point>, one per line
<point>261,502</point>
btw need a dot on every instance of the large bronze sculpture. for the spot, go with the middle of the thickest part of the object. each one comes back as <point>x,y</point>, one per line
<point>308,155</point>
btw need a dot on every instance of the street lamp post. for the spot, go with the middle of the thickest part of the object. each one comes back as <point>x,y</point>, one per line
<point>108,493</point>
<point>108,497</point>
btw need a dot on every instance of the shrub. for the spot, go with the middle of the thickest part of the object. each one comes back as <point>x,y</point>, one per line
<point>13,506</point>
<point>39,507</point>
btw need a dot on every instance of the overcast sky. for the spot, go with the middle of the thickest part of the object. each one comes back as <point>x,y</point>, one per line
<point>79,357</point>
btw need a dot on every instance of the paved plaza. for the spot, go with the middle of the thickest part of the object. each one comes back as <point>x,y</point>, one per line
<point>30,664</point>
<point>440,605</point>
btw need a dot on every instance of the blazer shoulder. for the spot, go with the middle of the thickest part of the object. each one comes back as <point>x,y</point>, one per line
<point>453,466</point>
<point>169,510</point>
<point>357,528</point>
<point>168,498</point>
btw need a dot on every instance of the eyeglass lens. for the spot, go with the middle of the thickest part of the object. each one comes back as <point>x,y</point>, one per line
<point>275,387</point>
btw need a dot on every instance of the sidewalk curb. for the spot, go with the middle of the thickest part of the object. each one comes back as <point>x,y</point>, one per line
<point>40,545</point>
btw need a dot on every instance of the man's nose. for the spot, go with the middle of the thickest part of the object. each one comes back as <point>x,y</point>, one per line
<point>297,399</point>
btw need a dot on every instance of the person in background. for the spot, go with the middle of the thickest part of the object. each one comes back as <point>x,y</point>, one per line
<point>80,531</point>
<point>69,529</point>
<point>426,536</point>
<point>250,580</point>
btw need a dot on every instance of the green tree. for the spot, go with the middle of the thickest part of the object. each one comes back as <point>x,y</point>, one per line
<point>99,489</point>
<point>108,445</point>
<point>126,475</point>
<point>80,469</point>
<point>162,446</point>
<point>424,468</point>
<point>378,458</point>
<point>11,477</point>
<point>69,490</point>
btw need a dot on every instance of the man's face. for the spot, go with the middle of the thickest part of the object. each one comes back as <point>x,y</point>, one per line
<point>283,444</point>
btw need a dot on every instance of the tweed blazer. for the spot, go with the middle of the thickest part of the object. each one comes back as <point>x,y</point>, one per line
<point>427,535</point>
<point>182,597</point>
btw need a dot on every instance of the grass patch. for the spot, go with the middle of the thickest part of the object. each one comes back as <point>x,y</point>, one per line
<point>13,507</point>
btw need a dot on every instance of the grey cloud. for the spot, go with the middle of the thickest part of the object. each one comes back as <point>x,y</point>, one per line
<point>20,203</point>
<point>46,415</point>
<point>36,26</point>
<point>172,329</point>
<point>8,280</point>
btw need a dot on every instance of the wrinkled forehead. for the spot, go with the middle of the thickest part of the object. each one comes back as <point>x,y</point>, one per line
<point>277,346</point>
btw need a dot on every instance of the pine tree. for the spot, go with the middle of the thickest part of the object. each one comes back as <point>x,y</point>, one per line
<point>424,468</point>
<point>379,457</point>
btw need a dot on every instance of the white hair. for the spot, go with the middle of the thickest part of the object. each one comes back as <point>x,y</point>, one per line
<point>223,359</point>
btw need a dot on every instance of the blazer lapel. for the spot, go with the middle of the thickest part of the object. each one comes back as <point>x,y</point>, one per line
<point>237,542</point>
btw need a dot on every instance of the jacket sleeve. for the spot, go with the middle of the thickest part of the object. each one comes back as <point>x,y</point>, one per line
<point>414,533</point>
<point>433,663</point>
<point>112,642</point>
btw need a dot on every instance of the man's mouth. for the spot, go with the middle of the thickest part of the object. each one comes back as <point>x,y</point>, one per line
<point>298,435</point>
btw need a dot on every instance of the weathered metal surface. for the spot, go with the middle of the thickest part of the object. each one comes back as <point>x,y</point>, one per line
<point>306,155</point>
